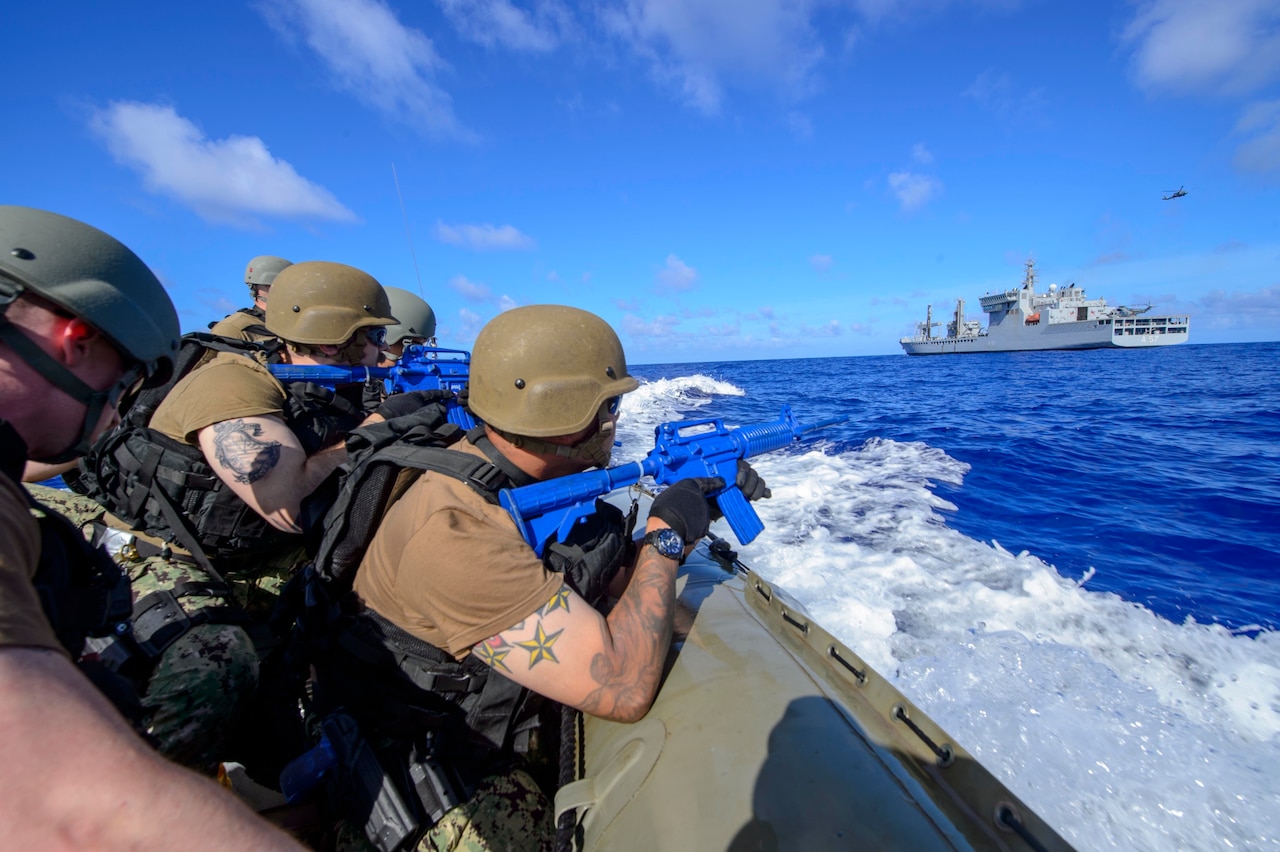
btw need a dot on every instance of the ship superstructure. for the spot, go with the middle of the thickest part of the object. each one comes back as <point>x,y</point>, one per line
<point>1020,319</point>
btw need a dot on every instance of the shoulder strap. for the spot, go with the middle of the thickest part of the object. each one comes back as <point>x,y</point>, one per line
<point>377,478</point>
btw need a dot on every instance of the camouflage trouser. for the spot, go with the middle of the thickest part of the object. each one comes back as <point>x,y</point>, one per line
<point>203,683</point>
<point>507,813</point>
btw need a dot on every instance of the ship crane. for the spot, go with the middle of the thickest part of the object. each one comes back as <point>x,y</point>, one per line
<point>925,328</point>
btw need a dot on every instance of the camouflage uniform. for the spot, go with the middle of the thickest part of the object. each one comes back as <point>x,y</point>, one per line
<point>202,684</point>
<point>507,813</point>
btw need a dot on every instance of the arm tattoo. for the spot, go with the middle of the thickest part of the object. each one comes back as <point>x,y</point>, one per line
<point>560,600</point>
<point>639,632</point>
<point>493,653</point>
<point>240,451</point>
<point>539,647</point>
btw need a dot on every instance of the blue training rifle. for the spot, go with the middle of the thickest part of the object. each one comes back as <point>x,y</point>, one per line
<point>683,450</point>
<point>420,368</point>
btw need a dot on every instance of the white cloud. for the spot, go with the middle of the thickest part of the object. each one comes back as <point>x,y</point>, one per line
<point>229,180</point>
<point>921,154</point>
<point>499,23</point>
<point>821,263</point>
<point>506,303</point>
<point>996,92</point>
<point>697,46</point>
<point>471,324</point>
<point>677,276</point>
<point>483,237</point>
<point>383,63</point>
<point>914,191</point>
<point>660,327</point>
<point>1260,154</point>
<point>470,290</point>
<point>1224,46</point>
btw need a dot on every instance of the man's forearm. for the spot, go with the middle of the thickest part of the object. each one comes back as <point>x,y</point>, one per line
<point>637,635</point>
<point>77,777</point>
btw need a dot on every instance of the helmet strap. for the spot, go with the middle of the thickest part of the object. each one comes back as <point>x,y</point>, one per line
<point>596,448</point>
<point>61,378</point>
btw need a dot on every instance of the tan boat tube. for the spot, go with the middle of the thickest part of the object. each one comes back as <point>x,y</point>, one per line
<point>767,733</point>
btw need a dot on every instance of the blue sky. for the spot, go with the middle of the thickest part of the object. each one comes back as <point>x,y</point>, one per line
<point>719,179</point>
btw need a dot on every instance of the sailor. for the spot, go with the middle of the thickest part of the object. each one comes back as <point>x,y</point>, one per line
<point>463,626</point>
<point>221,482</point>
<point>83,323</point>
<point>417,322</point>
<point>248,323</point>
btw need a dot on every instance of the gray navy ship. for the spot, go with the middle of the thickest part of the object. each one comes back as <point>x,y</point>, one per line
<point>1021,320</point>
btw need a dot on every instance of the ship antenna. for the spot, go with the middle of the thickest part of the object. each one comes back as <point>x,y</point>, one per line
<point>407,235</point>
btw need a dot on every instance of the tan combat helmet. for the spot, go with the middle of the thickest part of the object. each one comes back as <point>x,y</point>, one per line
<point>318,302</point>
<point>262,271</point>
<point>416,319</point>
<point>546,370</point>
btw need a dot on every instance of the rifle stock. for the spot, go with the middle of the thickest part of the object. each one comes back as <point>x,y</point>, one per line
<point>682,450</point>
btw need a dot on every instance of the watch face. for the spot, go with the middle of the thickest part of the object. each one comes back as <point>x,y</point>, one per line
<point>667,542</point>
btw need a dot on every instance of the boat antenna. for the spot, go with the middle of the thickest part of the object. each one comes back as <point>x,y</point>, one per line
<point>407,235</point>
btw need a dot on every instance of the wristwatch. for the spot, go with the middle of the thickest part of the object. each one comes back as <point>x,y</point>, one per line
<point>667,542</point>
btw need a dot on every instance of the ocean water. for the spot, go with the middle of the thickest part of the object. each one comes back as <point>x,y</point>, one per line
<point>1070,560</point>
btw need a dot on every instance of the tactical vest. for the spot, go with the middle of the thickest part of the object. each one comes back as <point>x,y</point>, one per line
<point>396,684</point>
<point>258,331</point>
<point>167,488</point>
<point>82,592</point>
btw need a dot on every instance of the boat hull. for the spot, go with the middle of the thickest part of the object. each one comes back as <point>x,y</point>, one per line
<point>767,733</point>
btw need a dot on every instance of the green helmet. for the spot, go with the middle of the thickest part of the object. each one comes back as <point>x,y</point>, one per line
<point>319,302</point>
<point>263,269</point>
<point>415,317</point>
<point>94,277</point>
<point>546,370</point>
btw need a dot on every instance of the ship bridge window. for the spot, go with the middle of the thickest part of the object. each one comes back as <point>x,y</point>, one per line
<point>1082,314</point>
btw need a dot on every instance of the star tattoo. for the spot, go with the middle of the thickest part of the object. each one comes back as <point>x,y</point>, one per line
<point>493,653</point>
<point>560,600</point>
<point>539,647</point>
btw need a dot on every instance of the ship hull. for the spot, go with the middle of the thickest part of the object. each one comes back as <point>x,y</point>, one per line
<point>1085,335</point>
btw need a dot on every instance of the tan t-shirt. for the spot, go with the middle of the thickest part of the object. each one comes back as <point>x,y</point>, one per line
<point>450,567</point>
<point>22,619</point>
<point>237,325</point>
<point>226,387</point>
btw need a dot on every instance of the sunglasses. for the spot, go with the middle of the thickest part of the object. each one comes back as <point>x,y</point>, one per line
<point>377,335</point>
<point>613,403</point>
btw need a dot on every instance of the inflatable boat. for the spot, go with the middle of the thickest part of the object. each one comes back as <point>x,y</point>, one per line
<point>769,734</point>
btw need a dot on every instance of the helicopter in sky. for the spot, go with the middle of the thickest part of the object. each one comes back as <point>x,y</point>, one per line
<point>1173,193</point>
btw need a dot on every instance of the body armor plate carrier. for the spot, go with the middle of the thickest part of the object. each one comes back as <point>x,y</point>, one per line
<point>414,701</point>
<point>167,489</point>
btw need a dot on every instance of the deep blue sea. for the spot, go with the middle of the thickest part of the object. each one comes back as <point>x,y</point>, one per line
<point>1071,560</point>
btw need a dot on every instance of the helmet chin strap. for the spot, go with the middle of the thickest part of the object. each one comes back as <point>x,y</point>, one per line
<point>61,378</point>
<point>596,448</point>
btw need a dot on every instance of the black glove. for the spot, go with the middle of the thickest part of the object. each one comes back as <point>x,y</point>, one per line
<point>464,397</point>
<point>750,483</point>
<point>686,508</point>
<point>400,404</point>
